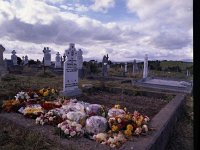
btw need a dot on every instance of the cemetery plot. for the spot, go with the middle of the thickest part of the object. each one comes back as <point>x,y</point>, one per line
<point>101,116</point>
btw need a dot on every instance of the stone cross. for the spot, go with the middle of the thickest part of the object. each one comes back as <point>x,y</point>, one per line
<point>47,56</point>
<point>2,49</point>
<point>70,81</point>
<point>58,61</point>
<point>145,71</point>
<point>26,60</point>
<point>135,67</point>
<point>14,58</point>
<point>104,65</point>
<point>80,59</point>
<point>125,68</point>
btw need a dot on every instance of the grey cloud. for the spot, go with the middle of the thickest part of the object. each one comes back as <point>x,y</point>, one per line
<point>169,40</point>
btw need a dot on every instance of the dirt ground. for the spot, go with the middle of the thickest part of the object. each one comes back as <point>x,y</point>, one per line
<point>145,105</point>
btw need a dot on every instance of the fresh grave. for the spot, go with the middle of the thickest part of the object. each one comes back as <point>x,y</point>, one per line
<point>75,118</point>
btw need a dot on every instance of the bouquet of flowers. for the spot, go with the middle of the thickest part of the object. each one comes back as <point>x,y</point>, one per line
<point>71,128</point>
<point>50,105</point>
<point>48,93</point>
<point>96,124</point>
<point>11,105</point>
<point>52,117</point>
<point>32,111</point>
<point>113,140</point>
<point>76,116</point>
<point>95,110</point>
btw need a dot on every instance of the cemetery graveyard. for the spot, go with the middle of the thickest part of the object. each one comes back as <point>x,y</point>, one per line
<point>88,103</point>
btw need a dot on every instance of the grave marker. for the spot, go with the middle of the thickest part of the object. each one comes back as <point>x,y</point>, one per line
<point>14,58</point>
<point>58,61</point>
<point>104,65</point>
<point>47,56</point>
<point>145,71</point>
<point>70,80</point>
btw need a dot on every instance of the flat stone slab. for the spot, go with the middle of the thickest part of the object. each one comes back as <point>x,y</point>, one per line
<point>165,84</point>
<point>163,123</point>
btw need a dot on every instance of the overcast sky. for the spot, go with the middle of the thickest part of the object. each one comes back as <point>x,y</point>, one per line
<point>125,29</point>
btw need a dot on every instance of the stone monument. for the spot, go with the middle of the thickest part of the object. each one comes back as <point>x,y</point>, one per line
<point>47,56</point>
<point>14,58</point>
<point>104,65</point>
<point>145,71</point>
<point>135,67</point>
<point>58,61</point>
<point>80,64</point>
<point>26,60</point>
<point>70,80</point>
<point>125,68</point>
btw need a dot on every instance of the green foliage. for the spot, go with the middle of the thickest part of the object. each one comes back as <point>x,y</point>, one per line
<point>46,75</point>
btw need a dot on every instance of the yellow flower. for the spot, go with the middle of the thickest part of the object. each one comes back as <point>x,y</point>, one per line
<point>129,127</point>
<point>138,122</point>
<point>46,93</point>
<point>114,128</point>
<point>128,132</point>
<point>41,91</point>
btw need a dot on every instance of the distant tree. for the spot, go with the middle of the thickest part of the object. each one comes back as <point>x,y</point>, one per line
<point>32,62</point>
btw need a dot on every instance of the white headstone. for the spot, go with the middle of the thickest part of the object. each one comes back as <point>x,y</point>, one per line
<point>47,56</point>
<point>145,71</point>
<point>26,60</point>
<point>125,68</point>
<point>80,59</point>
<point>14,58</point>
<point>70,81</point>
<point>58,61</point>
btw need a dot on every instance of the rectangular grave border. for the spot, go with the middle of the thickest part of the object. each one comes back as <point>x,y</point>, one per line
<point>163,122</point>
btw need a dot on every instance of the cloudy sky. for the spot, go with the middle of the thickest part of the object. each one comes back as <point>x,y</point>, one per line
<point>125,29</point>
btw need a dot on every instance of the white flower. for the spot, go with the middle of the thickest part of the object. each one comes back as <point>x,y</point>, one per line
<point>64,116</point>
<point>78,129</point>
<point>138,131</point>
<point>112,145</point>
<point>119,120</point>
<point>63,127</point>
<point>111,140</point>
<point>73,133</point>
<point>73,124</point>
<point>35,95</point>
<point>66,131</point>
<point>145,128</point>
<point>79,125</point>
<point>50,118</point>
<point>59,125</point>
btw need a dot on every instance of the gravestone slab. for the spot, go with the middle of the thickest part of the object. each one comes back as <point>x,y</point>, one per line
<point>26,60</point>
<point>47,56</point>
<point>104,65</point>
<point>80,63</point>
<point>14,58</point>
<point>70,80</point>
<point>58,61</point>
<point>145,71</point>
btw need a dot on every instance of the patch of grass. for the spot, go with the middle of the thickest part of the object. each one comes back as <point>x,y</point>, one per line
<point>182,137</point>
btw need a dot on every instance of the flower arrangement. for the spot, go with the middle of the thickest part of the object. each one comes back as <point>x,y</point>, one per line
<point>71,128</point>
<point>50,105</point>
<point>95,110</point>
<point>113,140</point>
<point>11,105</point>
<point>51,118</point>
<point>32,111</point>
<point>48,92</point>
<point>22,96</point>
